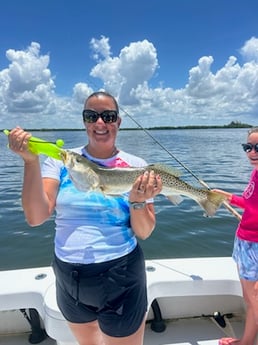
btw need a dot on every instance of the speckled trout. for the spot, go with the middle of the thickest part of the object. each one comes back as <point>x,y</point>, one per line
<point>88,176</point>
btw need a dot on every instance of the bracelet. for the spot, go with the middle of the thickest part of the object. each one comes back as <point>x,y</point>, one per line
<point>137,205</point>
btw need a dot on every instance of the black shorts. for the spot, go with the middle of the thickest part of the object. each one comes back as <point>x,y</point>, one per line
<point>113,292</point>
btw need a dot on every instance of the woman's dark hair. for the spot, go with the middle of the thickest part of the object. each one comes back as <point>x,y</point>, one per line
<point>104,93</point>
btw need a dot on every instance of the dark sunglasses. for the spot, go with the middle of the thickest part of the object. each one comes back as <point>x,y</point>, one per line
<point>91,116</point>
<point>248,147</point>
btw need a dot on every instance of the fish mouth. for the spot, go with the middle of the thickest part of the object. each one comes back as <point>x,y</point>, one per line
<point>63,156</point>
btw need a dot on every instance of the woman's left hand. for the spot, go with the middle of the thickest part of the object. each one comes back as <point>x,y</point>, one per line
<point>145,187</point>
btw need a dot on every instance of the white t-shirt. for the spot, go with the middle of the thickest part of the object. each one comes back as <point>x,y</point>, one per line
<point>91,227</point>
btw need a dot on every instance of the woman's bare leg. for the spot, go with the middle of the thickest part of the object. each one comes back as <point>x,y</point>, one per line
<point>90,334</point>
<point>133,339</point>
<point>87,333</point>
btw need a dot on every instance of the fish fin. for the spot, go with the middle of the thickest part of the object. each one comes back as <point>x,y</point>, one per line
<point>92,185</point>
<point>211,203</point>
<point>175,199</point>
<point>165,168</point>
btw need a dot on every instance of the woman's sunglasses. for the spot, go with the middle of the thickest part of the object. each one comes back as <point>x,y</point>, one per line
<point>91,116</point>
<point>248,147</point>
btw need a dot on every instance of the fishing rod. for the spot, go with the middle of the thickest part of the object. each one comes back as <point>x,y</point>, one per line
<point>225,203</point>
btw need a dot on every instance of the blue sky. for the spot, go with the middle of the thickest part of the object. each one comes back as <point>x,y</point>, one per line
<point>168,62</point>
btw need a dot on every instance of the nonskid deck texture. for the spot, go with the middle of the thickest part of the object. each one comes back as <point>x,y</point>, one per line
<point>201,331</point>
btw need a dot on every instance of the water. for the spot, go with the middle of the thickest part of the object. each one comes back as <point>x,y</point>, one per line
<point>214,155</point>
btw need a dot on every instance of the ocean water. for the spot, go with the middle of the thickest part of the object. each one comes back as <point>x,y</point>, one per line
<point>214,156</point>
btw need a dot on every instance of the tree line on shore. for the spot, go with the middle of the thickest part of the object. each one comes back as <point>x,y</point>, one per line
<point>232,124</point>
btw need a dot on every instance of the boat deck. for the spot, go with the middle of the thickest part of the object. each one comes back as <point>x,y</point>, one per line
<point>192,331</point>
<point>185,290</point>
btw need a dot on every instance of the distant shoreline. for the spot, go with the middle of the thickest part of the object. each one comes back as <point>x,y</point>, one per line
<point>232,125</point>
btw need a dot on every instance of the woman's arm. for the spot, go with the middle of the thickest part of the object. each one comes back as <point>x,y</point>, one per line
<point>38,196</point>
<point>145,187</point>
<point>143,221</point>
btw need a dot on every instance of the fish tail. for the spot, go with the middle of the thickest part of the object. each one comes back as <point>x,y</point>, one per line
<point>211,203</point>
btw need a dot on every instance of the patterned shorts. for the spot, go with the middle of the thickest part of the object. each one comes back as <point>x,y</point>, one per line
<point>245,254</point>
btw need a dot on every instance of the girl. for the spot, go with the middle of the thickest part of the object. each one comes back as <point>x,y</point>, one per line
<point>245,252</point>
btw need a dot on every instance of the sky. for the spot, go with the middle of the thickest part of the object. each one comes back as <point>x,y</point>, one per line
<point>168,62</point>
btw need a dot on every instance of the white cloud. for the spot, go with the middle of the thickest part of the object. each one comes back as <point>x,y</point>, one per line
<point>120,75</point>
<point>100,48</point>
<point>108,71</point>
<point>27,88</point>
<point>80,91</point>
<point>250,49</point>
<point>28,83</point>
<point>140,57</point>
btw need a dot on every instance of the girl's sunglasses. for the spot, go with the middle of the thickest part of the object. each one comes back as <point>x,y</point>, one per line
<point>91,116</point>
<point>248,147</point>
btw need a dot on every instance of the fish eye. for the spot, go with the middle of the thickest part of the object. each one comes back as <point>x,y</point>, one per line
<point>78,159</point>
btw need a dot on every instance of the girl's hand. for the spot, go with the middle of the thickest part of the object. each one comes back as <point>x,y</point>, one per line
<point>224,193</point>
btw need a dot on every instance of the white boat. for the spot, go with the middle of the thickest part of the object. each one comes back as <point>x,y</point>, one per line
<point>191,301</point>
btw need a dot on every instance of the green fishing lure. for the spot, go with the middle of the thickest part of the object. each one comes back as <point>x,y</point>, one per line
<point>39,146</point>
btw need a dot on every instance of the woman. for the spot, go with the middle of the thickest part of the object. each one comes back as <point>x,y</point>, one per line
<point>245,251</point>
<point>99,266</point>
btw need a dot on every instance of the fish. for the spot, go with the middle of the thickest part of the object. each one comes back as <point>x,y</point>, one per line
<point>88,176</point>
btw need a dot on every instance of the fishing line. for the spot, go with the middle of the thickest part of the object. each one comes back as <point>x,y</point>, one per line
<point>225,203</point>
<point>162,146</point>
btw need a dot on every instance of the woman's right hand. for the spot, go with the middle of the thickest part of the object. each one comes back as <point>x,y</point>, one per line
<point>18,142</point>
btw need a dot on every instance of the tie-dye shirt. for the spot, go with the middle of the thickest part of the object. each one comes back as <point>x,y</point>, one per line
<point>91,227</point>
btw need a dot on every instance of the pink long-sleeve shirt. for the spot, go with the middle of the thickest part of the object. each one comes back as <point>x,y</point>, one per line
<point>248,226</point>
